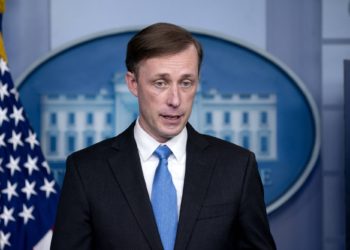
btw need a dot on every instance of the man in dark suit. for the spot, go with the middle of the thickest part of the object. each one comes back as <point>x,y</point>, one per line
<point>123,193</point>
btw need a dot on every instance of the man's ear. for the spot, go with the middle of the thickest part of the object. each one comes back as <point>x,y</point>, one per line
<point>130,80</point>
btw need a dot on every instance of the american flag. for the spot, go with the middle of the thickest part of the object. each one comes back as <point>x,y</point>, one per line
<point>28,191</point>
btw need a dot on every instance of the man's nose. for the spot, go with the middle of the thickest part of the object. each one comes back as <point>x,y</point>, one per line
<point>174,96</point>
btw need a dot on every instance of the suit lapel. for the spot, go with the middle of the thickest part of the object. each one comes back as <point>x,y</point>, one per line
<point>199,168</point>
<point>126,167</point>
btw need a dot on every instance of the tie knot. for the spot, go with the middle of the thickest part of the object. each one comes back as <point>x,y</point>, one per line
<point>163,152</point>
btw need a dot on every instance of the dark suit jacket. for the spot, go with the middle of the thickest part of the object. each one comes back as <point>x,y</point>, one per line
<point>104,202</point>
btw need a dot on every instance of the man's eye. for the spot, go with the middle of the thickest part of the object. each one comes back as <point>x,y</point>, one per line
<point>186,84</point>
<point>160,84</point>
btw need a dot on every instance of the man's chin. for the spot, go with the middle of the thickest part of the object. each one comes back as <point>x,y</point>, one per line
<point>172,132</point>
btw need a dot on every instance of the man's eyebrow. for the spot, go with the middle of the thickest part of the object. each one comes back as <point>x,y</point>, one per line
<point>167,76</point>
<point>188,76</point>
<point>162,75</point>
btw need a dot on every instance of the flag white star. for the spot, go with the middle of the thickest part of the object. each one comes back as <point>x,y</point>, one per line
<point>15,140</point>
<point>15,93</point>
<point>3,115</point>
<point>3,66</point>
<point>7,215</point>
<point>31,139</point>
<point>17,115</point>
<point>48,187</point>
<point>46,166</point>
<point>29,189</point>
<point>10,190</point>
<point>31,164</point>
<point>13,165</point>
<point>4,240</point>
<point>2,140</point>
<point>26,213</point>
<point>3,91</point>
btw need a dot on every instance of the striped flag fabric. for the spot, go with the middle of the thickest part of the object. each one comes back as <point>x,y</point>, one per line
<point>28,191</point>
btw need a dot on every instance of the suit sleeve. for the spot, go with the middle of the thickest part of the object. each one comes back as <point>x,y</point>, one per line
<point>253,223</point>
<point>72,228</point>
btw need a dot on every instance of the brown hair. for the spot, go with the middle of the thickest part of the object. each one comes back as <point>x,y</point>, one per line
<point>157,40</point>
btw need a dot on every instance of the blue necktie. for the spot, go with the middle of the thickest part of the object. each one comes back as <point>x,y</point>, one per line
<point>164,201</point>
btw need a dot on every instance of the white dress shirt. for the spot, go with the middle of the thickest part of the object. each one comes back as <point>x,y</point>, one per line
<point>146,145</point>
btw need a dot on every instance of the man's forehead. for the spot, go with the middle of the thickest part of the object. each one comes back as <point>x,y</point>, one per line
<point>186,62</point>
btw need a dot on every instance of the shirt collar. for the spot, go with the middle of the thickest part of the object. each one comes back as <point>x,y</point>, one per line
<point>146,144</point>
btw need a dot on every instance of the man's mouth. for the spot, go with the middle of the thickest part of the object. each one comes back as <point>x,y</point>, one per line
<point>171,117</point>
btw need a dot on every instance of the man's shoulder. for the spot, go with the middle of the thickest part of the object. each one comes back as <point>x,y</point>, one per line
<point>229,158</point>
<point>95,151</point>
<point>217,144</point>
<point>102,149</point>
<point>224,146</point>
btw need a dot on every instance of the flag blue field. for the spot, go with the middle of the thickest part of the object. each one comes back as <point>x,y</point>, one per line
<point>28,191</point>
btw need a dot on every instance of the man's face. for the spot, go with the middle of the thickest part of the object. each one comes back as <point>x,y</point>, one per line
<point>165,87</point>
